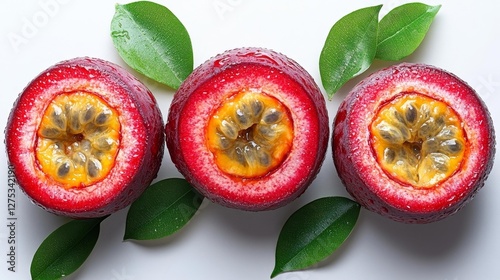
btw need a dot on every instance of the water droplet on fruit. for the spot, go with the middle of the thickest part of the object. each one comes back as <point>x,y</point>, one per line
<point>220,62</point>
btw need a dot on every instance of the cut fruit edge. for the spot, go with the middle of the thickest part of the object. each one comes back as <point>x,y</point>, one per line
<point>350,136</point>
<point>139,154</point>
<point>261,71</point>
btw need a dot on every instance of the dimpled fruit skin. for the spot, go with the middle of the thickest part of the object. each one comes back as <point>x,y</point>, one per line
<point>209,85</point>
<point>366,181</point>
<point>141,144</point>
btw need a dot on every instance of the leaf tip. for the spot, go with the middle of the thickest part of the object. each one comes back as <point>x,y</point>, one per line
<point>118,6</point>
<point>434,9</point>
<point>275,273</point>
<point>126,238</point>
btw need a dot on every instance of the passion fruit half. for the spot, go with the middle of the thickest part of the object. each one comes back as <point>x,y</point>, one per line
<point>248,129</point>
<point>413,143</point>
<point>85,138</point>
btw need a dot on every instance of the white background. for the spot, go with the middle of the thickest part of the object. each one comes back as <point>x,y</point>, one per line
<point>222,243</point>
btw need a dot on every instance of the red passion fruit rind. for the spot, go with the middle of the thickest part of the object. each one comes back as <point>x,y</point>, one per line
<point>248,129</point>
<point>413,143</point>
<point>85,138</point>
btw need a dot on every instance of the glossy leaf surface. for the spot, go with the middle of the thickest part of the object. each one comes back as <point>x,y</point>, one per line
<point>164,208</point>
<point>403,29</point>
<point>153,41</point>
<point>349,48</point>
<point>65,249</point>
<point>314,232</point>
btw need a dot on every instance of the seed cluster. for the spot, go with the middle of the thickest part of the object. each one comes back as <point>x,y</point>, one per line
<point>418,140</point>
<point>250,134</point>
<point>78,139</point>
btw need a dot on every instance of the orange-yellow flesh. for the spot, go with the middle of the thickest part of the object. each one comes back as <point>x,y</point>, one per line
<point>78,139</point>
<point>418,140</point>
<point>250,134</point>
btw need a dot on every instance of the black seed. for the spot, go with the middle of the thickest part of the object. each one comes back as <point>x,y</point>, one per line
<point>389,155</point>
<point>403,155</point>
<point>63,169</point>
<point>75,124</point>
<point>390,134</point>
<point>242,117</point>
<point>50,132</point>
<point>257,108</point>
<point>411,114</point>
<point>104,143</point>
<point>101,129</point>
<point>405,132</point>
<point>239,155</point>
<point>228,129</point>
<point>448,132</point>
<point>399,117</point>
<point>59,145</point>
<point>426,130</point>
<point>249,153</point>
<point>266,131</point>
<point>89,115</point>
<point>442,167</point>
<point>386,135</point>
<point>451,146</point>
<point>425,111</point>
<point>434,126</point>
<point>102,118</point>
<point>264,159</point>
<point>272,116</point>
<point>439,161</point>
<point>90,129</point>
<point>79,158</point>
<point>224,143</point>
<point>59,120</point>
<point>429,146</point>
<point>440,121</point>
<point>93,167</point>
<point>98,155</point>
<point>85,144</point>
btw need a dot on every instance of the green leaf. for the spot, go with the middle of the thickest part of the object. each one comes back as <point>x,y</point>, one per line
<point>153,41</point>
<point>349,48</point>
<point>165,207</point>
<point>314,232</point>
<point>65,249</point>
<point>402,30</point>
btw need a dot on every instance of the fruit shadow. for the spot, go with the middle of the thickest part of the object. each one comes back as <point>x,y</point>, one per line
<point>426,242</point>
<point>430,242</point>
<point>267,224</point>
<point>258,226</point>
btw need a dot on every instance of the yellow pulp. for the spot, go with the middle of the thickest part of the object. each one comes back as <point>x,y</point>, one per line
<point>250,134</point>
<point>78,139</point>
<point>418,140</point>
